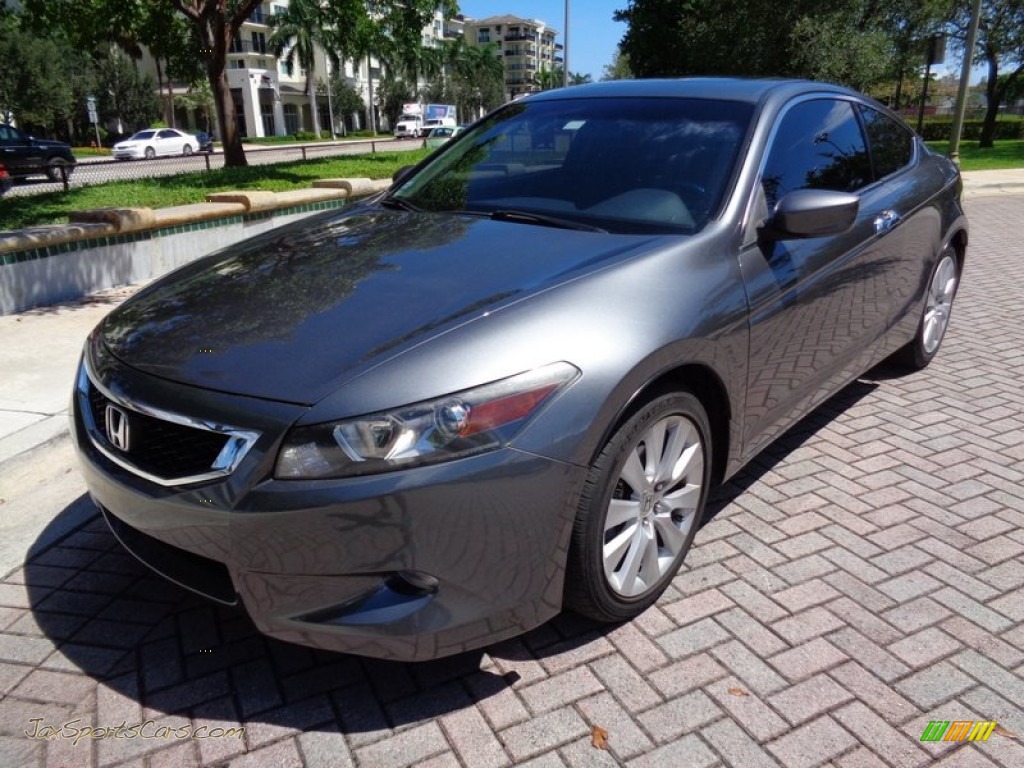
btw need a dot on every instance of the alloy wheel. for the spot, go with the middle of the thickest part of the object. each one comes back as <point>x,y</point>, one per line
<point>654,505</point>
<point>939,304</point>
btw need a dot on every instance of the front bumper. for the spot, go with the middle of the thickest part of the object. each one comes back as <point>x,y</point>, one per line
<point>341,564</point>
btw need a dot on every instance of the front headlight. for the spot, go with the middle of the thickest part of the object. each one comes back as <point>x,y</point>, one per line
<point>448,427</point>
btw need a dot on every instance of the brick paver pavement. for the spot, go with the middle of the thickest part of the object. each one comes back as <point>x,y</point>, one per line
<point>866,576</point>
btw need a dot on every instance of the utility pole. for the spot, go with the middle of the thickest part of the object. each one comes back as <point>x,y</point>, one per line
<point>965,76</point>
<point>565,51</point>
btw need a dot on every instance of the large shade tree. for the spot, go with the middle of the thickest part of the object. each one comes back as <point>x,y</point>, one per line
<point>216,22</point>
<point>854,42</point>
<point>1001,48</point>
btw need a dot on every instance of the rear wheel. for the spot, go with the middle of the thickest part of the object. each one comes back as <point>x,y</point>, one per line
<point>938,305</point>
<point>187,149</point>
<point>640,508</point>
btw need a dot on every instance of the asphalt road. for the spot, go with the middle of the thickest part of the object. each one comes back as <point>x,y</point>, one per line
<point>102,170</point>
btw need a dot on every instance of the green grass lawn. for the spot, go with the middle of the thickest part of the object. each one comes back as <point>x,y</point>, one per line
<point>1005,154</point>
<point>53,207</point>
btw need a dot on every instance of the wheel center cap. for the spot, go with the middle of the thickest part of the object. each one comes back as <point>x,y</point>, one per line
<point>648,504</point>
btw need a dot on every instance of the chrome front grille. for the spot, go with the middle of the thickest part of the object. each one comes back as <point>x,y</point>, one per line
<point>167,448</point>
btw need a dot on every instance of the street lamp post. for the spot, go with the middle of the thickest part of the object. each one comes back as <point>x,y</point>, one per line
<point>330,105</point>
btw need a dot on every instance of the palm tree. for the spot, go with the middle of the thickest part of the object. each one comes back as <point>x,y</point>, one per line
<point>548,79</point>
<point>482,71</point>
<point>578,78</point>
<point>300,29</point>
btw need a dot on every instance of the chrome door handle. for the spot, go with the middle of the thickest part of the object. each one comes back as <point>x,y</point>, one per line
<point>886,220</point>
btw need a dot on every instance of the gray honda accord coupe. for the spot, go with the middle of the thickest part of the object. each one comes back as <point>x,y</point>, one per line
<point>503,388</point>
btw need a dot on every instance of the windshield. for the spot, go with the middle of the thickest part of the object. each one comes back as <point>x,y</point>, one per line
<point>625,165</point>
<point>142,135</point>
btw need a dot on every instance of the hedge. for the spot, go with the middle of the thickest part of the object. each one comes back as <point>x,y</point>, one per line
<point>940,130</point>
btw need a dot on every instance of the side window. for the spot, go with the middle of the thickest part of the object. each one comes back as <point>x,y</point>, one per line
<point>818,145</point>
<point>167,135</point>
<point>5,133</point>
<point>892,144</point>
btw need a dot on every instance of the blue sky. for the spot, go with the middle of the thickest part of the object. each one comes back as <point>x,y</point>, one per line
<point>593,36</point>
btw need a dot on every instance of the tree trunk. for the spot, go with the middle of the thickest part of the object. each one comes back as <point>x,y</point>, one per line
<point>216,70</point>
<point>992,96</point>
<point>170,101</point>
<point>160,87</point>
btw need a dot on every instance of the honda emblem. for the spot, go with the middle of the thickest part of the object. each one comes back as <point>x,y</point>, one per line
<point>117,428</point>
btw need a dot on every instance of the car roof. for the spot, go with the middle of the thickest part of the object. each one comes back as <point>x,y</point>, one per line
<point>751,90</point>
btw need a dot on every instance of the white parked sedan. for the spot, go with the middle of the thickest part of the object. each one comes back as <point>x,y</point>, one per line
<point>156,141</point>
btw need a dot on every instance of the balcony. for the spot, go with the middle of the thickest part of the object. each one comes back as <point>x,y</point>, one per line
<point>248,47</point>
<point>519,36</point>
<point>257,17</point>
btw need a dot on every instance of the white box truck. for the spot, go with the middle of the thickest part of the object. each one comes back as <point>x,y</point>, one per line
<point>417,120</point>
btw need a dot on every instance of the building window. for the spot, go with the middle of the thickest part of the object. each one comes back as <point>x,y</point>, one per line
<point>259,42</point>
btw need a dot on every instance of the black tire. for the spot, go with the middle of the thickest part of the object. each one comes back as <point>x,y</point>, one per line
<point>588,590</point>
<point>186,150</point>
<point>921,350</point>
<point>53,169</point>
<point>150,153</point>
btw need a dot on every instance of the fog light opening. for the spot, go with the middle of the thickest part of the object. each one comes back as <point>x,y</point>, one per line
<point>413,583</point>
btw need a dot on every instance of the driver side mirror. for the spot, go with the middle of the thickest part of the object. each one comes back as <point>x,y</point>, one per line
<point>402,174</point>
<point>811,213</point>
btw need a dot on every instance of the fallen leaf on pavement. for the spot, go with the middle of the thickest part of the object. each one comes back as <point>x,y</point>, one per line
<point>1000,731</point>
<point>599,738</point>
<point>738,692</point>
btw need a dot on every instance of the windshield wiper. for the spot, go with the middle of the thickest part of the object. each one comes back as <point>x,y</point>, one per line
<point>542,219</point>
<point>400,204</point>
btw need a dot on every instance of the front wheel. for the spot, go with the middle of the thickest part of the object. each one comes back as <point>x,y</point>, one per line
<point>938,305</point>
<point>53,170</point>
<point>150,153</point>
<point>640,508</point>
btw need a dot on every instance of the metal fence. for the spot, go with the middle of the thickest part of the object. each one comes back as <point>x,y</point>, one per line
<point>101,170</point>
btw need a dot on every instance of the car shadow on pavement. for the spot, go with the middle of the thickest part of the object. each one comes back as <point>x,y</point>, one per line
<point>162,651</point>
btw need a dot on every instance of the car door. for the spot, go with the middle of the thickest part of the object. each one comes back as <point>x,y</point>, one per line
<point>817,304</point>
<point>915,227</point>
<point>18,152</point>
<point>168,142</point>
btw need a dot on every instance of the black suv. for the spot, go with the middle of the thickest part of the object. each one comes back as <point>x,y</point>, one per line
<point>24,155</point>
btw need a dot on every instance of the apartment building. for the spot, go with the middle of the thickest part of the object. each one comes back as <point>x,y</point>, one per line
<point>526,47</point>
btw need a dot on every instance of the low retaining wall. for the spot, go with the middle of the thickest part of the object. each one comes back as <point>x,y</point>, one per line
<point>102,249</point>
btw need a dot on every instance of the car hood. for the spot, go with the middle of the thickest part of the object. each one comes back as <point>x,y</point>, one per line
<point>293,314</point>
<point>51,144</point>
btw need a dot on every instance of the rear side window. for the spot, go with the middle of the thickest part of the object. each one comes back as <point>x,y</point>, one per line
<point>818,145</point>
<point>892,144</point>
